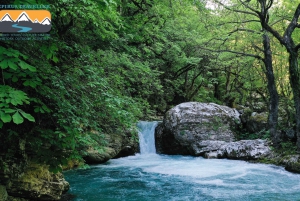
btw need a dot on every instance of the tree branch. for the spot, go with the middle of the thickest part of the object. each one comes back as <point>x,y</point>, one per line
<point>293,24</point>
<point>235,52</point>
<point>246,30</point>
<point>256,47</point>
<point>249,7</point>
<point>278,21</point>
<point>235,10</point>
<point>238,22</point>
<point>274,33</point>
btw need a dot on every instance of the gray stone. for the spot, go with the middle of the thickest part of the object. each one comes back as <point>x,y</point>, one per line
<point>207,146</point>
<point>244,149</point>
<point>292,163</point>
<point>247,149</point>
<point>187,124</point>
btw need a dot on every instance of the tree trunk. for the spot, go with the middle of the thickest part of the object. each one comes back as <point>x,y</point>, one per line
<point>273,102</point>
<point>295,84</point>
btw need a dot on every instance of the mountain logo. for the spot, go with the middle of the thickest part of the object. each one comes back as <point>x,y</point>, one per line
<point>31,21</point>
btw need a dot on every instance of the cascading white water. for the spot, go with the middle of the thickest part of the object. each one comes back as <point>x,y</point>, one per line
<point>146,136</point>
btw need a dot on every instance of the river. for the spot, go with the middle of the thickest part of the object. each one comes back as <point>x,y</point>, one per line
<point>152,177</point>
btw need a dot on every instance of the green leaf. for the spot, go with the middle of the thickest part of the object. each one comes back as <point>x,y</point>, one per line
<point>6,118</point>
<point>31,68</point>
<point>26,83</point>
<point>4,64</point>
<point>27,116</point>
<point>24,66</point>
<point>8,110</point>
<point>17,118</point>
<point>31,83</point>
<point>1,124</point>
<point>7,75</point>
<point>55,59</point>
<point>46,108</point>
<point>15,79</point>
<point>12,65</point>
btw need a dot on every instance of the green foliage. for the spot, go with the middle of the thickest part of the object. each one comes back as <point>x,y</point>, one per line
<point>110,63</point>
<point>264,134</point>
<point>15,71</point>
<point>288,148</point>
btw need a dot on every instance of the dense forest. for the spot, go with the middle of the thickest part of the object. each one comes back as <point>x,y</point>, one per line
<point>109,63</point>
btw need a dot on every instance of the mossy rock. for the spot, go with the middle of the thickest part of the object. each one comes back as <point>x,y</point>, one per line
<point>110,146</point>
<point>38,183</point>
<point>260,117</point>
<point>3,193</point>
<point>257,122</point>
<point>293,164</point>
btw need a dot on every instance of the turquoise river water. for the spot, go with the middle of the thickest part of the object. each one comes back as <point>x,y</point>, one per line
<point>151,177</point>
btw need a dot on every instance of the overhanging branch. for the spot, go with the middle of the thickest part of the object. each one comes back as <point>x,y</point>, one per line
<point>247,6</point>
<point>235,52</point>
<point>236,10</point>
<point>246,30</point>
<point>242,22</point>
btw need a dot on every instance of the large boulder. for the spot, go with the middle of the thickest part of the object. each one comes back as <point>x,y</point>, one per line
<point>190,123</point>
<point>37,183</point>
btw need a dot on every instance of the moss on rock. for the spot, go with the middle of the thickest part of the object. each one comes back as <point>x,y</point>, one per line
<point>3,193</point>
<point>38,182</point>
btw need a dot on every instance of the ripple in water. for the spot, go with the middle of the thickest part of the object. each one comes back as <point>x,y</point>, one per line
<point>179,178</point>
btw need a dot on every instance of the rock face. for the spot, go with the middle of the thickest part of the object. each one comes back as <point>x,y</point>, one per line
<point>244,149</point>
<point>117,146</point>
<point>190,123</point>
<point>37,183</point>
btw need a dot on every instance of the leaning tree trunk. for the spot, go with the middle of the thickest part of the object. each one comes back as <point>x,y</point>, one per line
<point>273,103</point>
<point>295,84</point>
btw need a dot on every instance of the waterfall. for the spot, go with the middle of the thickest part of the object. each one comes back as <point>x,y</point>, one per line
<point>146,136</point>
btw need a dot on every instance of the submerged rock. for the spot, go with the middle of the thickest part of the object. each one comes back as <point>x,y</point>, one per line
<point>188,124</point>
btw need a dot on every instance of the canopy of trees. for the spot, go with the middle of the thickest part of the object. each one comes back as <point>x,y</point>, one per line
<point>109,63</point>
